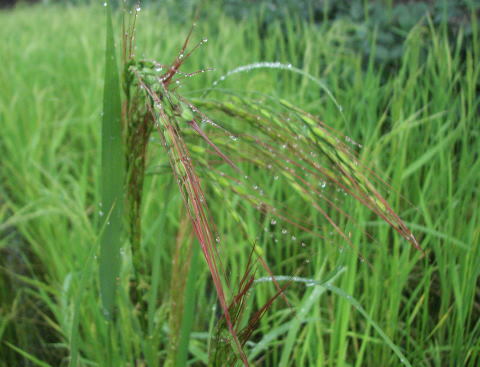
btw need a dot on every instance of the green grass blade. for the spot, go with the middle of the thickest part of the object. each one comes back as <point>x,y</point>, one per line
<point>28,356</point>
<point>359,308</point>
<point>112,176</point>
<point>189,308</point>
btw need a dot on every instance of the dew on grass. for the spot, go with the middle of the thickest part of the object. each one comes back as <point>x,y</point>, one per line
<point>273,222</point>
<point>284,231</point>
<point>105,3</point>
<point>303,244</point>
<point>101,213</point>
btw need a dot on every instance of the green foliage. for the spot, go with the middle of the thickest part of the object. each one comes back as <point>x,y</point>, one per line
<point>112,177</point>
<point>418,126</point>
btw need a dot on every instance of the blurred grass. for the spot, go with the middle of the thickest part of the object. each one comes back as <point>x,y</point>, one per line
<point>419,127</point>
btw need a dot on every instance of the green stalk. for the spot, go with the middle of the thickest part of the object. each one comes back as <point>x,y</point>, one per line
<point>188,310</point>
<point>112,177</point>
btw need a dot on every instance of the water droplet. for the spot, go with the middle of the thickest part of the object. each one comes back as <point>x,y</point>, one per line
<point>284,231</point>
<point>105,3</point>
<point>304,244</point>
<point>158,69</point>
<point>255,187</point>
<point>294,238</point>
<point>101,213</point>
<point>222,77</point>
<point>273,222</point>
<point>138,8</point>
<point>275,178</point>
<point>205,40</point>
<point>269,166</point>
<point>181,56</point>
<point>233,137</point>
<point>217,239</point>
<point>245,177</point>
<point>307,261</point>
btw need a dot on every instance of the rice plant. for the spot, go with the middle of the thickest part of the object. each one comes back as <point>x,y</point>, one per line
<point>268,134</point>
<point>309,251</point>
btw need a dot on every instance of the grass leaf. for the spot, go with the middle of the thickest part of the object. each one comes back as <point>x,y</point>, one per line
<point>112,176</point>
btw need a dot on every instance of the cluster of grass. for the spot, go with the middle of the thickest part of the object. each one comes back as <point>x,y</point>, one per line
<point>418,127</point>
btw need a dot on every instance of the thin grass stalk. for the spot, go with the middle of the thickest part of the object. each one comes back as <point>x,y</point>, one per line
<point>181,259</point>
<point>188,309</point>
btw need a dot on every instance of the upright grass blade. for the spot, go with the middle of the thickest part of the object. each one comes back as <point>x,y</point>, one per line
<point>188,311</point>
<point>112,176</point>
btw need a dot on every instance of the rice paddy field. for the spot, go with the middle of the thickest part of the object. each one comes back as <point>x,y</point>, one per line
<point>306,246</point>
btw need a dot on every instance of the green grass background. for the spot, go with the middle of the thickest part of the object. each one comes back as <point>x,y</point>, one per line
<point>419,127</point>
